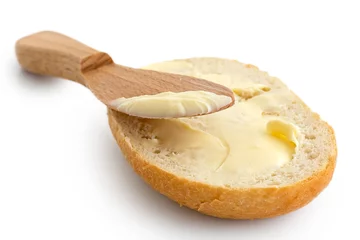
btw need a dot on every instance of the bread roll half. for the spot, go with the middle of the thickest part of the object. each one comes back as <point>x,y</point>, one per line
<point>266,156</point>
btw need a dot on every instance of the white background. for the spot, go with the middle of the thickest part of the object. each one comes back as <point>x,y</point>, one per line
<point>62,175</point>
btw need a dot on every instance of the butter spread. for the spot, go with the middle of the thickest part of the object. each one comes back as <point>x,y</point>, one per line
<point>251,91</point>
<point>284,130</point>
<point>240,140</point>
<point>170,104</point>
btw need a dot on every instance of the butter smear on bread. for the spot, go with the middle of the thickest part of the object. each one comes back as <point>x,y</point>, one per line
<point>265,156</point>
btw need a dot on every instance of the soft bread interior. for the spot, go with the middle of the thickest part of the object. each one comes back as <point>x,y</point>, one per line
<point>315,142</point>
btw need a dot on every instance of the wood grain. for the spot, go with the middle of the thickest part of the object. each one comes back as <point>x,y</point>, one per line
<point>54,54</point>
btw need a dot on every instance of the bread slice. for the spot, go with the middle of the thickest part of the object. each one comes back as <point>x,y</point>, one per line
<point>197,184</point>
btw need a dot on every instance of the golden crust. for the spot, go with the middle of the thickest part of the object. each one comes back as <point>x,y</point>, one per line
<point>222,202</point>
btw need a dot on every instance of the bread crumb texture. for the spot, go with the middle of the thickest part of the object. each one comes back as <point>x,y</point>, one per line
<point>186,176</point>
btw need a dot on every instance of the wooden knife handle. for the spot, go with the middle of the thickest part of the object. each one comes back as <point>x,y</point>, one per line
<point>54,54</point>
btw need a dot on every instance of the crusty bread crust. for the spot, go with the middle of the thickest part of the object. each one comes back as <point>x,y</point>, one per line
<point>222,202</point>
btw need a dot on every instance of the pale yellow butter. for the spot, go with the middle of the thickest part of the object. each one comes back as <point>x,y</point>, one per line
<point>240,140</point>
<point>251,91</point>
<point>170,104</point>
<point>284,130</point>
